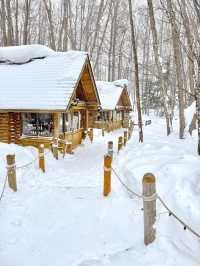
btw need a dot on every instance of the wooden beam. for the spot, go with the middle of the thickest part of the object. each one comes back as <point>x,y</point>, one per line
<point>56,125</point>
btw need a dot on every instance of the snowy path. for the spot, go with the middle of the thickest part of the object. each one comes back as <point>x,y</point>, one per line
<point>60,218</point>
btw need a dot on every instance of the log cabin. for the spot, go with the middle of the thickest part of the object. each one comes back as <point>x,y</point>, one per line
<point>115,104</point>
<point>45,95</point>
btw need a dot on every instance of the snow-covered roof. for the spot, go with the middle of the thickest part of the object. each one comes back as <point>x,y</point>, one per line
<point>42,84</point>
<point>109,93</point>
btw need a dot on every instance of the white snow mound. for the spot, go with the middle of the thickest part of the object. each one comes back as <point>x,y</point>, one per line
<point>24,53</point>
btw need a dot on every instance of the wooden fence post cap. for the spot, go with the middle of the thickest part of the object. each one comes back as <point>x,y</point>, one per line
<point>107,157</point>
<point>149,178</point>
<point>10,156</point>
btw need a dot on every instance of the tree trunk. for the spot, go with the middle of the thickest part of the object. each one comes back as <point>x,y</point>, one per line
<point>177,57</point>
<point>27,6</point>
<point>48,7</point>
<point>158,66</point>
<point>137,85</point>
<point>3,23</point>
<point>198,106</point>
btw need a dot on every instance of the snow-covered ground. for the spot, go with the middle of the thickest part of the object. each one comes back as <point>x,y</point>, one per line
<point>61,218</point>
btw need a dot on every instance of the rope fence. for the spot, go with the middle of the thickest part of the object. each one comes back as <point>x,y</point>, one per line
<point>125,186</point>
<point>169,211</point>
<point>146,199</point>
<point>149,195</point>
<point>12,168</point>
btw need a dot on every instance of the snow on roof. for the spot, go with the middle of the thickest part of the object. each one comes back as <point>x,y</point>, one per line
<point>24,53</point>
<point>42,84</point>
<point>109,94</point>
<point>121,83</point>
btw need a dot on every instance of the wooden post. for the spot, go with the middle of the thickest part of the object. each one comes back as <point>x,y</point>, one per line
<point>125,137</point>
<point>55,150</point>
<point>149,206</point>
<point>51,146</point>
<point>120,143</point>
<point>41,157</point>
<point>64,147</point>
<point>110,148</point>
<point>129,133</point>
<point>56,125</point>
<point>91,134</point>
<point>103,132</point>
<point>69,147</point>
<point>107,174</point>
<point>87,119</point>
<point>84,134</point>
<point>11,171</point>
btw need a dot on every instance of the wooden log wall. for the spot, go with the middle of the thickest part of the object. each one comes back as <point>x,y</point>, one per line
<point>10,127</point>
<point>14,127</point>
<point>4,127</point>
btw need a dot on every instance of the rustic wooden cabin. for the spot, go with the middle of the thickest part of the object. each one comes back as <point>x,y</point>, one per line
<point>115,103</point>
<point>45,96</point>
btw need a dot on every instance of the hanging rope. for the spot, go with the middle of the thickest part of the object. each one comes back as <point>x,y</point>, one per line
<point>125,186</point>
<point>4,186</point>
<point>171,213</point>
<point>32,162</point>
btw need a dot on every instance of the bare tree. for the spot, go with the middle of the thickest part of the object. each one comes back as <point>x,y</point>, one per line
<point>177,58</point>
<point>137,85</point>
<point>49,11</point>
<point>164,97</point>
<point>27,10</point>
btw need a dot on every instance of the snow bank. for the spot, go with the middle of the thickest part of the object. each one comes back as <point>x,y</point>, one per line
<point>24,53</point>
<point>175,164</point>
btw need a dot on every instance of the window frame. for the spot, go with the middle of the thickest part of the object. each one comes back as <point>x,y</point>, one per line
<point>38,123</point>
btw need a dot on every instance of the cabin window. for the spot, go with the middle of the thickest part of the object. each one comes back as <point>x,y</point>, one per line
<point>114,116</point>
<point>70,121</point>
<point>106,116</point>
<point>36,124</point>
<point>76,121</point>
<point>119,114</point>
